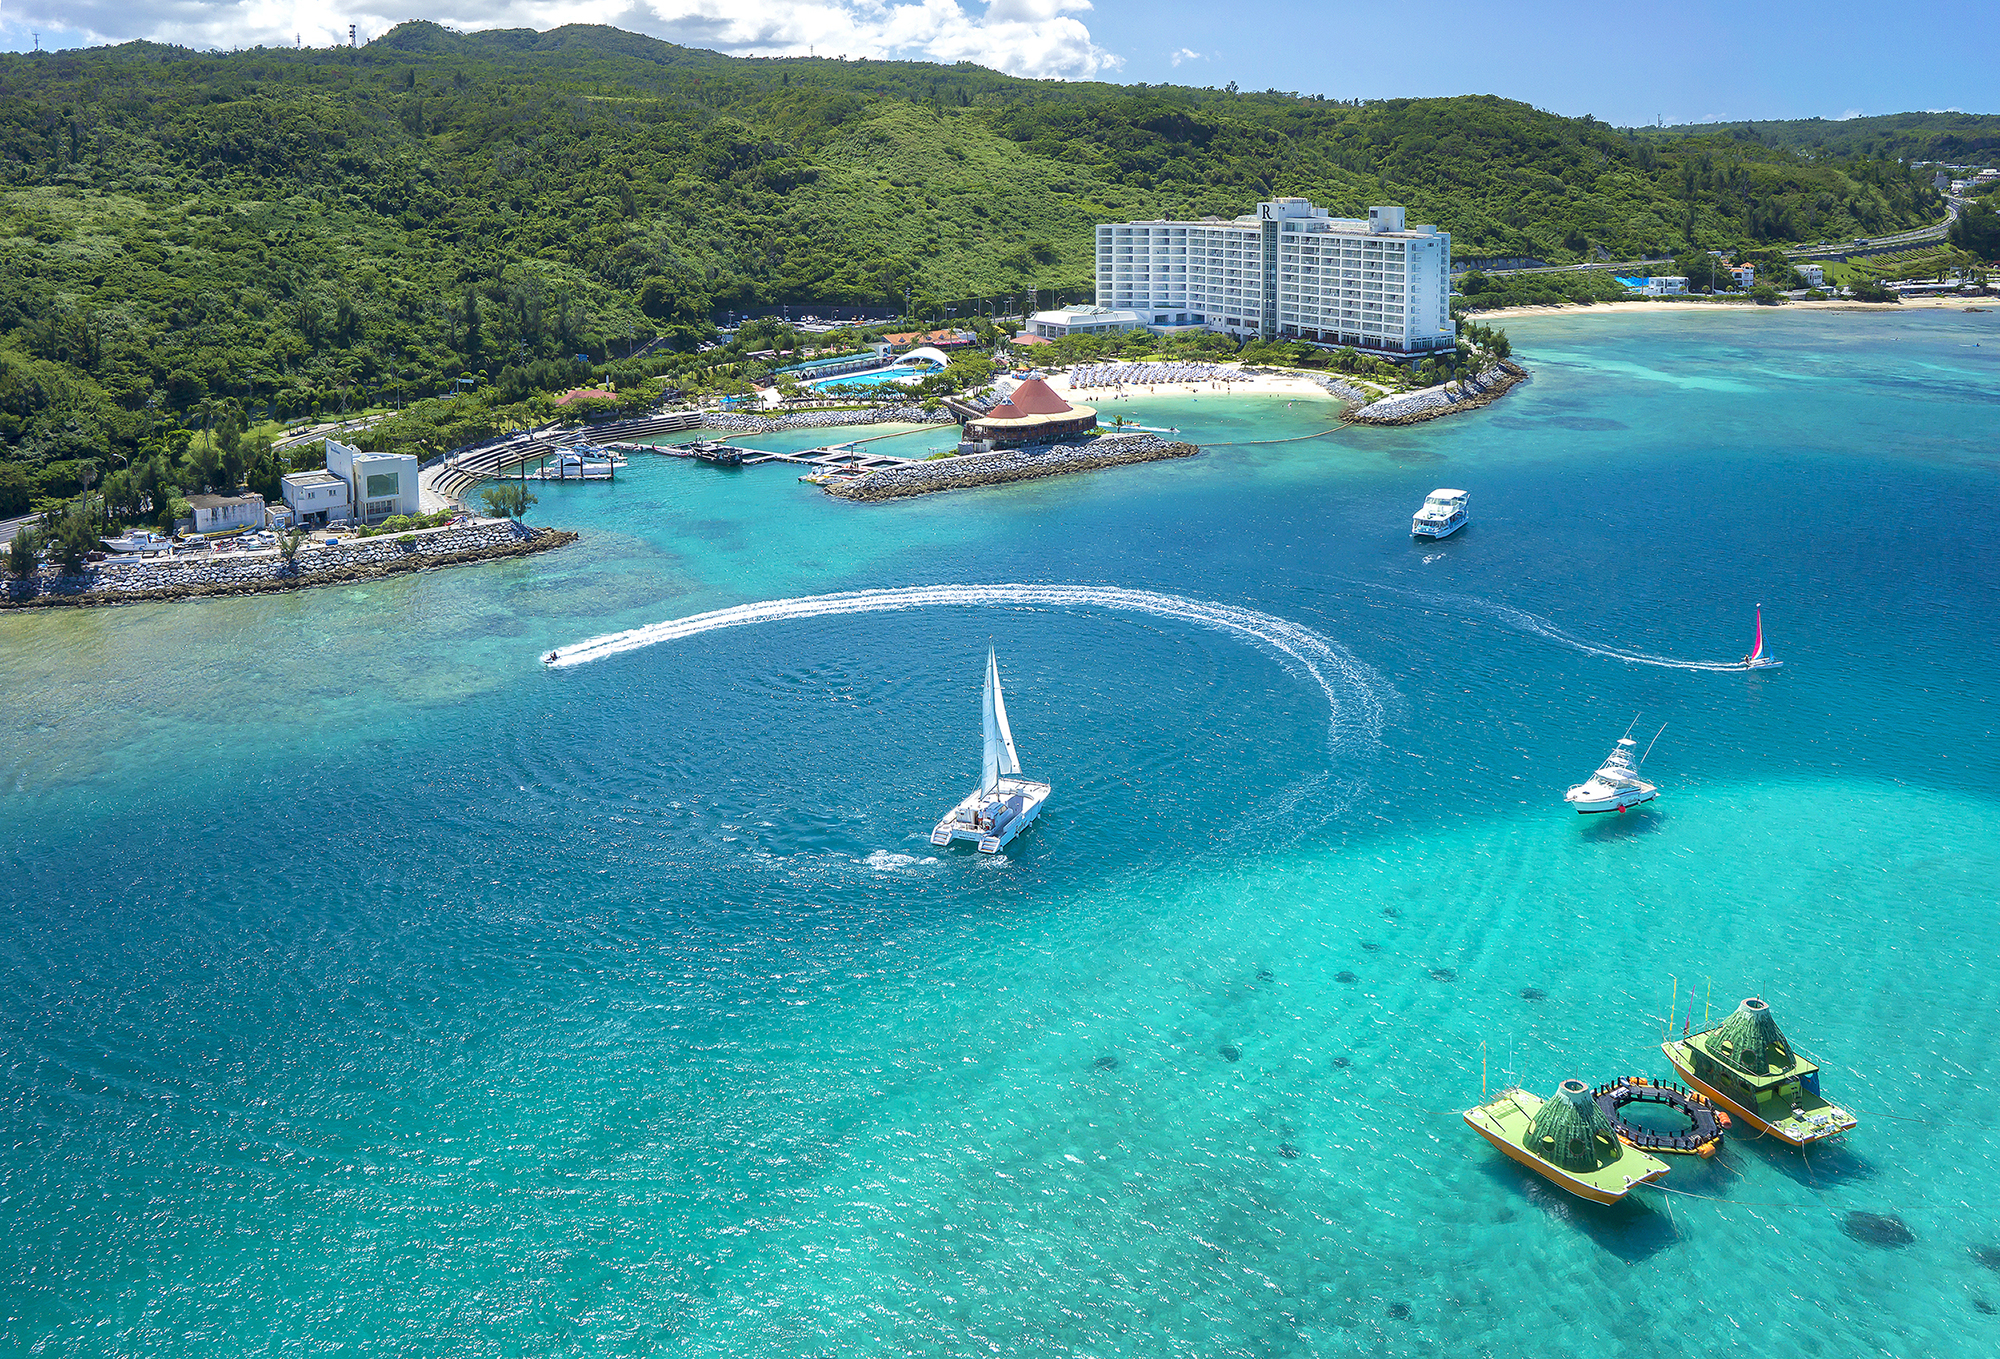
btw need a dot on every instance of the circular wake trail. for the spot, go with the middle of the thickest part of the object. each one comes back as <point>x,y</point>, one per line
<point>1358,720</point>
<point>1522,621</point>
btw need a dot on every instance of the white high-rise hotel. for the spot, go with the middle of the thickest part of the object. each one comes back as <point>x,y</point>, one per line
<point>1289,271</point>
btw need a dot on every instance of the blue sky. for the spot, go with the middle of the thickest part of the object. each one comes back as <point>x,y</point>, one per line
<point>1698,62</point>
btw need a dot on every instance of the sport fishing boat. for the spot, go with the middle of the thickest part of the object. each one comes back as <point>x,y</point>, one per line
<point>1745,1065</point>
<point>1566,1140</point>
<point>1003,804</point>
<point>1616,785</point>
<point>1444,513</point>
<point>1757,660</point>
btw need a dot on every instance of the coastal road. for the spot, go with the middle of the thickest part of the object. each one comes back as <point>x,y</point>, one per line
<point>1870,245</point>
<point>10,527</point>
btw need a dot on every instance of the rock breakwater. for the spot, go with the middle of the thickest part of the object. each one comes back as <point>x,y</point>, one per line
<point>996,469</point>
<point>1409,408</point>
<point>362,559</point>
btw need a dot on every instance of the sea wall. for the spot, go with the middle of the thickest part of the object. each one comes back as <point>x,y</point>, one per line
<point>995,469</point>
<point>1409,408</point>
<point>744,423</point>
<point>362,559</point>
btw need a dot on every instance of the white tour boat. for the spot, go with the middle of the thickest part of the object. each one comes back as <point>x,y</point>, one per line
<point>1757,660</point>
<point>1443,514</point>
<point>1616,785</point>
<point>1004,803</point>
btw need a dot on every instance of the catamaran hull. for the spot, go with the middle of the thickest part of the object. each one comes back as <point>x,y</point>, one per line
<point>1747,1115</point>
<point>995,837</point>
<point>1556,1174</point>
<point>988,844</point>
<point>1420,529</point>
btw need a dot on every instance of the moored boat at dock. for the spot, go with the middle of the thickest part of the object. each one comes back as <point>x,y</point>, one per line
<point>715,454</point>
<point>1567,1140</point>
<point>1745,1065</point>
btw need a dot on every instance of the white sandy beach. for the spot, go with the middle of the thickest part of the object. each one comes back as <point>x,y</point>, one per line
<point>1737,308</point>
<point>1238,385</point>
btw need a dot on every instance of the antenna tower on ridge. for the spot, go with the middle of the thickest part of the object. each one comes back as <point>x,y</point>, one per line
<point>350,35</point>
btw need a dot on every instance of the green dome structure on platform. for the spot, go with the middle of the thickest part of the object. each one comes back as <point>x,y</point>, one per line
<point>1570,1131</point>
<point>1750,1039</point>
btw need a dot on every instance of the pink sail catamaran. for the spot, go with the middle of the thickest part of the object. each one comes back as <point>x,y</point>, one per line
<point>1757,660</point>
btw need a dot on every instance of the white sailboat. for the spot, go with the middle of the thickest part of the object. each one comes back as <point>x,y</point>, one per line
<point>1757,660</point>
<point>1003,804</point>
<point>1616,785</point>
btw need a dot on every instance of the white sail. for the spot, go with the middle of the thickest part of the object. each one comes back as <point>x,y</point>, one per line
<point>1000,758</point>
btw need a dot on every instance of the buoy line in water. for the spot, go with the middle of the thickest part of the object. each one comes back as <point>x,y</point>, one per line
<point>1353,691</point>
<point>1521,620</point>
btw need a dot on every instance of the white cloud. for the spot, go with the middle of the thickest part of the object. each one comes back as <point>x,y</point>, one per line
<point>1039,38</point>
<point>1851,113</point>
<point>1185,54</point>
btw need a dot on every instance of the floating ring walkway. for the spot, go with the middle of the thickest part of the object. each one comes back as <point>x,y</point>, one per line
<point>1706,1123</point>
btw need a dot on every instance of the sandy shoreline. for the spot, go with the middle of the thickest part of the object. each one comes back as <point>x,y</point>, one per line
<point>1738,308</point>
<point>1260,385</point>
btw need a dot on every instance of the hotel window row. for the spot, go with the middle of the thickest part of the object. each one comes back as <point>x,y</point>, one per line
<point>1287,271</point>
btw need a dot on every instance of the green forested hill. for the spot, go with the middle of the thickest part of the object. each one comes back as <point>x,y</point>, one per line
<point>1955,138</point>
<point>284,230</point>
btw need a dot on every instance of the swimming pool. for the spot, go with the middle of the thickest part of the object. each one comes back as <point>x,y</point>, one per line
<point>901,372</point>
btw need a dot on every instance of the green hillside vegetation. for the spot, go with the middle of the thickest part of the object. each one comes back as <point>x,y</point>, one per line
<point>1954,138</point>
<point>192,243</point>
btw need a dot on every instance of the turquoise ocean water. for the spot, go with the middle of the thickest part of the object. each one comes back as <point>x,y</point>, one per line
<point>371,987</point>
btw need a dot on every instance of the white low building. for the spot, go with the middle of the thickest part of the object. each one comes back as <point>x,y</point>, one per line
<point>1082,320</point>
<point>1670,285</point>
<point>316,498</point>
<point>227,513</point>
<point>378,484</point>
<point>1287,271</point>
<point>1813,274</point>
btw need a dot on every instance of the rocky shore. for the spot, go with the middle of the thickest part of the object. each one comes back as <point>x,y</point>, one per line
<point>745,423</point>
<point>361,559</point>
<point>995,469</point>
<point>1409,408</point>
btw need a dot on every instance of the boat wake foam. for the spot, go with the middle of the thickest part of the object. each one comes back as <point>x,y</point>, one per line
<point>1353,691</point>
<point>1520,620</point>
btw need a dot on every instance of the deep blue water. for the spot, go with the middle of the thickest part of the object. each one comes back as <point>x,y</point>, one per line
<point>370,985</point>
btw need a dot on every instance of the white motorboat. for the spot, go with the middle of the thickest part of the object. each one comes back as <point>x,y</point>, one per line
<point>1616,785</point>
<point>139,541</point>
<point>1003,804</point>
<point>1444,513</point>
<point>1757,660</point>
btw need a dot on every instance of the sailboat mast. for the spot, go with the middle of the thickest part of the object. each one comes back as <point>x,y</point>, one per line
<point>1757,652</point>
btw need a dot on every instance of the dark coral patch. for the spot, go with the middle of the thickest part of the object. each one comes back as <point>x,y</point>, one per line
<point>1444,974</point>
<point>1877,1229</point>
<point>1231,1053</point>
<point>1108,1062</point>
<point>1533,993</point>
<point>1347,977</point>
<point>1288,1151</point>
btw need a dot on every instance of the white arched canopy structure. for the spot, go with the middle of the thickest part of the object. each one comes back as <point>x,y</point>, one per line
<point>930,352</point>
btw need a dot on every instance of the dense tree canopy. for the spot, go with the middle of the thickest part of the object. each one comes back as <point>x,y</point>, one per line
<point>196,241</point>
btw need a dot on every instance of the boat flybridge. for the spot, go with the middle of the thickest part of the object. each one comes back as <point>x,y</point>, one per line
<point>1616,785</point>
<point>1003,804</point>
<point>1444,513</point>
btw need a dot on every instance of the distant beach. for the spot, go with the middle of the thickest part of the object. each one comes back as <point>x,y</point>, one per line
<point>1738,307</point>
